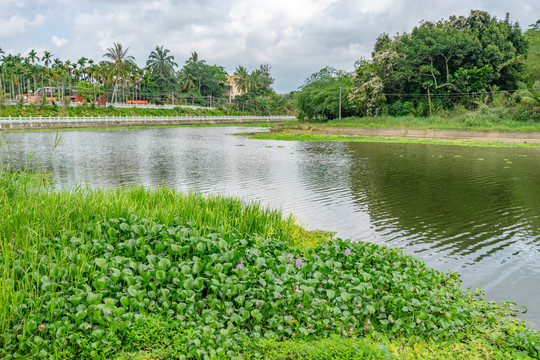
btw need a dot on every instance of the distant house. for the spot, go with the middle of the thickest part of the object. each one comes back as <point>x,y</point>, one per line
<point>231,90</point>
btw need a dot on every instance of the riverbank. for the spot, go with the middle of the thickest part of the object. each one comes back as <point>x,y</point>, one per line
<point>135,273</point>
<point>440,136</point>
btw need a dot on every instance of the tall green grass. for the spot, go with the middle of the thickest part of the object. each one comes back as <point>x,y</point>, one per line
<point>484,118</point>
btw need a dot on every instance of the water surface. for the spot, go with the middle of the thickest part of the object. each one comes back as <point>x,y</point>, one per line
<point>471,210</point>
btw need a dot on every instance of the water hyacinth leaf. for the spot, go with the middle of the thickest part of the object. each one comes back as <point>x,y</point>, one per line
<point>330,294</point>
<point>132,291</point>
<point>201,248</point>
<point>186,269</point>
<point>197,266</point>
<point>198,284</point>
<point>188,284</point>
<point>346,297</point>
<point>160,275</point>
<point>93,299</point>
<point>80,315</point>
<point>164,263</point>
<point>156,229</point>
<point>125,227</point>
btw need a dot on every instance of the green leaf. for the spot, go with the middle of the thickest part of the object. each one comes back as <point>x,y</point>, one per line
<point>93,299</point>
<point>330,294</point>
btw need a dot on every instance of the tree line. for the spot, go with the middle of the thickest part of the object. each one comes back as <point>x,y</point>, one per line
<point>119,78</point>
<point>438,65</point>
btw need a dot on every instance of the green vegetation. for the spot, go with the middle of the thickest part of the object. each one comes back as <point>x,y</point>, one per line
<point>118,79</point>
<point>134,273</point>
<point>461,63</point>
<point>483,118</point>
<point>90,110</point>
<point>319,137</point>
<point>319,97</point>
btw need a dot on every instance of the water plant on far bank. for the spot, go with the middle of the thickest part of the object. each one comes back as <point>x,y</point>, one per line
<point>284,136</point>
<point>134,273</point>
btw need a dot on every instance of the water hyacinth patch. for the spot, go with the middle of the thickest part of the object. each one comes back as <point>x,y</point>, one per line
<point>92,281</point>
<point>129,273</point>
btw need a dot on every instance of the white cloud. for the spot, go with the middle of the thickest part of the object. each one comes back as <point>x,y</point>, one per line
<point>16,25</point>
<point>296,37</point>
<point>59,42</point>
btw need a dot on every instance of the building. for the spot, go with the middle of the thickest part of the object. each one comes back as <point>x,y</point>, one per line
<point>231,90</point>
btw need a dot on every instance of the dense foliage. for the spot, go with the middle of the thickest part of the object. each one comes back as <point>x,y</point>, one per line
<point>117,78</point>
<point>324,95</point>
<point>439,65</point>
<point>105,274</point>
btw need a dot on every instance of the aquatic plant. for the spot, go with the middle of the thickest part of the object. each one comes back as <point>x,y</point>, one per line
<point>77,282</point>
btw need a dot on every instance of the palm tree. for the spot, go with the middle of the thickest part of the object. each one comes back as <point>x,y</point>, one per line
<point>187,80</point>
<point>160,63</point>
<point>119,65</point>
<point>529,97</point>
<point>47,58</point>
<point>255,79</point>
<point>32,56</point>
<point>243,81</point>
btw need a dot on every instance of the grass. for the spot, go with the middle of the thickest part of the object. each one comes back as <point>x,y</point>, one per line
<point>153,274</point>
<point>251,124</point>
<point>483,118</point>
<point>284,136</point>
<point>89,110</point>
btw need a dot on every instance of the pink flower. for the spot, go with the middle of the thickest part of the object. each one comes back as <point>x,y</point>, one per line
<point>240,265</point>
<point>298,262</point>
<point>347,252</point>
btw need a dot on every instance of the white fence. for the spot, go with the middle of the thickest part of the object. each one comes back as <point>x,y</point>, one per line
<point>59,119</point>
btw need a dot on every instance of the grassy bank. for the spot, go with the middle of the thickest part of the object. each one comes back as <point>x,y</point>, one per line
<point>140,274</point>
<point>284,136</point>
<point>483,118</point>
<point>89,110</point>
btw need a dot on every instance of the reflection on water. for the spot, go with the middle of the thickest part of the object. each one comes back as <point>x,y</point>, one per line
<point>471,210</point>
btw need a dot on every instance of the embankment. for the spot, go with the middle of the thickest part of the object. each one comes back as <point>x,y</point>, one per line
<point>517,137</point>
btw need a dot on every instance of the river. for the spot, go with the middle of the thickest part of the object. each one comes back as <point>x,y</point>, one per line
<point>472,210</point>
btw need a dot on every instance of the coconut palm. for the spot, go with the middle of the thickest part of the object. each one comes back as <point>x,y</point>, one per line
<point>529,97</point>
<point>118,66</point>
<point>243,81</point>
<point>160,63</point>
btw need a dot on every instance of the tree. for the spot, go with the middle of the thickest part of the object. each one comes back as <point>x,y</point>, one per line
<point>532,62</point>
<point>32,56</point>
<point>319,97</point>
<point>243,81</point>
<point>118,66</point>
<point>451,60</point>
<point>160,63</point>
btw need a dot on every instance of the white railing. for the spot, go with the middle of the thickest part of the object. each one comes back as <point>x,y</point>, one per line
<point>59,119</point>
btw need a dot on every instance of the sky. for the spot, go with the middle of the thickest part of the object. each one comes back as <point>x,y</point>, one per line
<point>295,37</point>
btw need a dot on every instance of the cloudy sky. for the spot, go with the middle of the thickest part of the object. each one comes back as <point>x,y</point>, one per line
<point>296,37</point>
